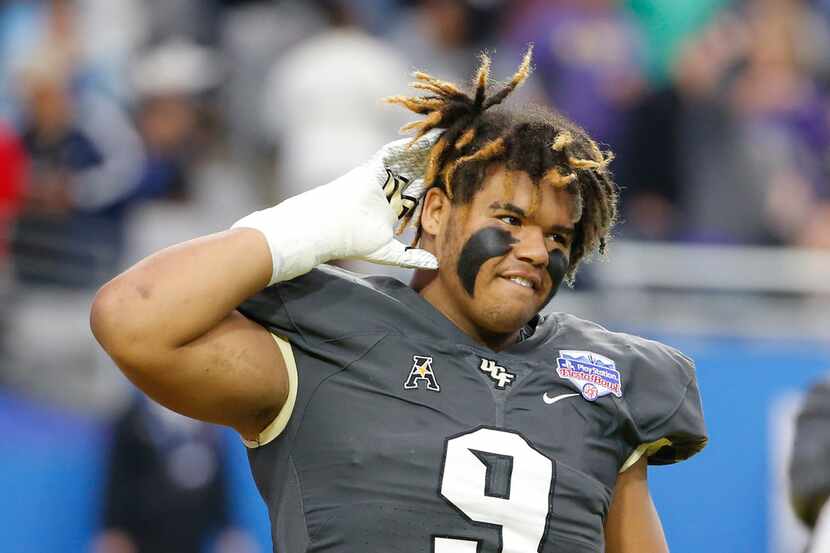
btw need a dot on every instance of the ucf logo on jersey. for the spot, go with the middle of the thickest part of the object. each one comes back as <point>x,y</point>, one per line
<point>500,375</point>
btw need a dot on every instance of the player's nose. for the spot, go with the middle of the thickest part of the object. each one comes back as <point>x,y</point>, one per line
<point>531,246</point>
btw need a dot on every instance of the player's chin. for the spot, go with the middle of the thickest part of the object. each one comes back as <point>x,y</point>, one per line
<point>506,321</point>
<point>507,315</point>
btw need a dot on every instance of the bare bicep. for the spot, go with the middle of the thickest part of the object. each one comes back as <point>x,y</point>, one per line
<point>233,375</point>
<point>633,525</point>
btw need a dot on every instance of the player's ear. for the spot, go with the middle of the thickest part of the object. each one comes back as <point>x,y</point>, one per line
<point>434,212</point>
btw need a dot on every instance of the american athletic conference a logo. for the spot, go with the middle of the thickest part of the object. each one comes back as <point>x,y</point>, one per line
<point>593,374</point>
<point>421,371</point>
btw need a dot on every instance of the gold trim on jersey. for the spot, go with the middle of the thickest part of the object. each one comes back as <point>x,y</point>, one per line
<point>281,420</point>
<point>645,449</point>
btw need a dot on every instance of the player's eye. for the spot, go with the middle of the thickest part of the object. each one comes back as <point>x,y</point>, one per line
<point>559,238</point>
<point>510,220</point>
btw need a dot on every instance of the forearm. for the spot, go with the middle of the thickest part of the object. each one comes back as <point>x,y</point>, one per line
<point>169,321</point>
<point>178,294</point>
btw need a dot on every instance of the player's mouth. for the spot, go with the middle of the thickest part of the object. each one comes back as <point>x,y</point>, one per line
<point>523,280</point>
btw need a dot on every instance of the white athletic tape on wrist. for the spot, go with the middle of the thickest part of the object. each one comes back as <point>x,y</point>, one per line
<point>350,217</point>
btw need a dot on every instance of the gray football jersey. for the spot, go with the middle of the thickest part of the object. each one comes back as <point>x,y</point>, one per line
<point>407,436</point>
<point>810,461</point>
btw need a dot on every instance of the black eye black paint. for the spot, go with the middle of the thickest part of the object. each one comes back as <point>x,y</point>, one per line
<point>492,242</point>
<point>487,243</point>
<point>557,267</point>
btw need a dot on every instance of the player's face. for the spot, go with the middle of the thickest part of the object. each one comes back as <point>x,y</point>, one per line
<point>501,258</point>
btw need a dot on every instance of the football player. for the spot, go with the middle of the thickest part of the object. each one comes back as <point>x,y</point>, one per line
<point>809,469</point>
<point>447,415</point>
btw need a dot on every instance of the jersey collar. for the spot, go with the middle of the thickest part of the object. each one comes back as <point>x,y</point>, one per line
<point>541,329</point>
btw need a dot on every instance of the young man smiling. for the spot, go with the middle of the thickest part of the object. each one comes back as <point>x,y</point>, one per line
<point>441,416</point>
<point>492,302</point>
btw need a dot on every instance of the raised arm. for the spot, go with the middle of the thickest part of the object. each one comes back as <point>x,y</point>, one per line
<point>633,525</point>
<point>169,323</point>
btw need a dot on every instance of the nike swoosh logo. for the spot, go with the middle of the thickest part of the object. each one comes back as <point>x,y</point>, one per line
<point>551,400</point>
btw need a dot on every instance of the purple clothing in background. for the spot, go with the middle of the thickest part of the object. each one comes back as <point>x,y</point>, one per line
<point>808,124</point>
<point>588,60</point>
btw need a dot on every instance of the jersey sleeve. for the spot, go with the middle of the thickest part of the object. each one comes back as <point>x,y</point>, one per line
<point>664,405</point>
<point>321,321</point>
<point>318,308</point>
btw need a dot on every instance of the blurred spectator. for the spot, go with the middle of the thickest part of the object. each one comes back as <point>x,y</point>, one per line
<point>323,105</point>
<point>166,489</point>
<point>169,82</point>
<point>810,466</point>
<point>85,159</point>
<point>12,176</point>
<point>685,153</point>
<point>784,113</point>
<point>189,186</point>
<point>588,58</point>
<point>735,150</point>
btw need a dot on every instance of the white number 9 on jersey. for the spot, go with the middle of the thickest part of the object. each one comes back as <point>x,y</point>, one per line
<point>521,508</point>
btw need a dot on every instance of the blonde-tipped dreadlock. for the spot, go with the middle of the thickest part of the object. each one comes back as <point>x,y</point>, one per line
<point>482,77</point>
<point>478,132</point>
<point>465,138</point>
<point>557,179</point>
<point>563,139</point>
<point>488,151</point>
<point>518,78</point>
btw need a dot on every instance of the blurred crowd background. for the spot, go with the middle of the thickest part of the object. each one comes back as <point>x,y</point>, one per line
<point>129,125</point>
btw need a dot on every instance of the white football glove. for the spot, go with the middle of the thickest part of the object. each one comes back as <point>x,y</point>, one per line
<point>352,217</point>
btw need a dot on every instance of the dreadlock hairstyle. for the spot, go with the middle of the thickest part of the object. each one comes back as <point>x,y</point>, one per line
<point>478,132</point>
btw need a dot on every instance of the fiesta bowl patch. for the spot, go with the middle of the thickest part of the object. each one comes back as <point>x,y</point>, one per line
<point>594,375</point>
